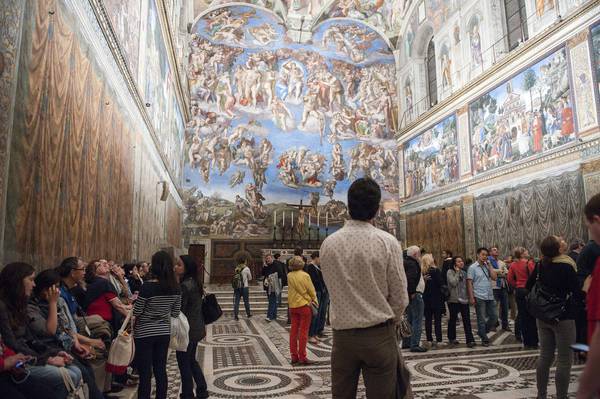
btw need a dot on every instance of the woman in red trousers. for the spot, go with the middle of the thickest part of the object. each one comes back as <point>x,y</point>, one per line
<point>301,294</point>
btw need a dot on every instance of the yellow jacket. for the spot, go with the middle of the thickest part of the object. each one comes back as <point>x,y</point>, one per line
<point>301,290</point>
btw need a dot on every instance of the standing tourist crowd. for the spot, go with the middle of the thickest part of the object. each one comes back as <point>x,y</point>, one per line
<point>57,326</point>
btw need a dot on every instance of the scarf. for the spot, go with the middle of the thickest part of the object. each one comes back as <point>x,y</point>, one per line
<point>565,259</point>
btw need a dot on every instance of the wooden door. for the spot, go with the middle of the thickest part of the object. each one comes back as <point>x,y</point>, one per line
<point>198,252</point>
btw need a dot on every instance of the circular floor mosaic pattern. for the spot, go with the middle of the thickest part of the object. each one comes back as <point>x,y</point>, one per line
<point>478,370</point>
<point>256,382</point>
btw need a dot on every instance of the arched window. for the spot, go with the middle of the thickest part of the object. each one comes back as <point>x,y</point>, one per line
<point>431,74</point>
<point>516,22</point>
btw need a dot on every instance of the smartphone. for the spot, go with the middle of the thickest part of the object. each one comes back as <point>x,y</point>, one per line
<point>580,348</point>
<point>20,364</point>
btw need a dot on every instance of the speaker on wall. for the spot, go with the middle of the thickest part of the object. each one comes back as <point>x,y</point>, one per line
<point>165,191</point>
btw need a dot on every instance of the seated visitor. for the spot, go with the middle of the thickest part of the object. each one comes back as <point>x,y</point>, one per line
<point>16,286</point>
<point>133,278</point>
<point>52,324</point>
<point>101,297</point>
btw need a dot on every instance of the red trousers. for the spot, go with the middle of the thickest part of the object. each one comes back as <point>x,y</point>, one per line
<point>301,318</point>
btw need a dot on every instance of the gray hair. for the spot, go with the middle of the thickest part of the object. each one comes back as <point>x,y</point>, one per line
<point>413,251</point>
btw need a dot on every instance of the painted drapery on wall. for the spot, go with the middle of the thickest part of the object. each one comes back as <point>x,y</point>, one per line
<point>431,158</point>
<point>276,122</point>
<point>529,114</point>
<point>525,215</point>
<point>71,170</point>
<point>437,230</point>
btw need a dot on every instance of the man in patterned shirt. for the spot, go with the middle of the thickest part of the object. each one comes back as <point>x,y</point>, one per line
<point>362,268</point>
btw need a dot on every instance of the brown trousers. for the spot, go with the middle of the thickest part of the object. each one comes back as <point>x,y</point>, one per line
<point>374,351</point>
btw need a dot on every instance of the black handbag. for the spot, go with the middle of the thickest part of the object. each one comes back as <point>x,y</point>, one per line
<point>543,304</point>
<point>211,310</point>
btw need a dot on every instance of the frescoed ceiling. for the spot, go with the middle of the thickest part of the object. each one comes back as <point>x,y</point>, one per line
<point>384,15</point>
<point>276,122</point>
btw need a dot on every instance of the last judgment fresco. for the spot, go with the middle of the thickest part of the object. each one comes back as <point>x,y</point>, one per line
<point>276,123</point>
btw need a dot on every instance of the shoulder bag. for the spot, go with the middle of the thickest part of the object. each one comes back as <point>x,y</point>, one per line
<point>211,310</point>
<point>543,304</point>
<point>122,349</point>
<point>73,392</point>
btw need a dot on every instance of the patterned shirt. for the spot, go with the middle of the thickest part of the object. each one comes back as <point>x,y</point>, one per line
<point>362,268</point>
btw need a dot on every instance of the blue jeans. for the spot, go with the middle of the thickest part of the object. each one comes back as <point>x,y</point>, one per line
<point>415,312</point>
<point>272,310</point>
<point>501,296</point>
<point>51,377</point>
<point>487,316</point>
<point>238,294</point>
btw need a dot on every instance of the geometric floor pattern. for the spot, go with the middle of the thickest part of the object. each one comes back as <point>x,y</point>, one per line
<point>250,359</point>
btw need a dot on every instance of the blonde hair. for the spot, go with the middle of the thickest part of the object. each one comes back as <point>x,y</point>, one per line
<point>427,262</point>
<point>296,263</point>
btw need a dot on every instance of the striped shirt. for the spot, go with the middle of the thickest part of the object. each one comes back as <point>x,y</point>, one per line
<point>153,311</point>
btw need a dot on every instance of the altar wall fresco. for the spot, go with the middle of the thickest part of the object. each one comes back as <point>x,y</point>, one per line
<point>276,123</point>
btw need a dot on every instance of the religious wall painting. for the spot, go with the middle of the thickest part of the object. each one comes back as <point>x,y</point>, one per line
<point>540,14</point>
<point>273,125</point>
<point>431,158</point>
<point>446,68</point>
<point>464,142</point>
<point>378,13</point>
<point>583,86</point>
<point>474,34</point>
<point>438,12</point>
<point>125,17</point>
<point>408,96</point>
<point>157,74</point>
<point>596,55</point>
<point>529,114</point>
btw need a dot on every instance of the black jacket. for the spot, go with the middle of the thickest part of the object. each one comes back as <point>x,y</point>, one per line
<point>413,274</point>
<point>317,278</point>
<point>446,265</point>
<point>281,271</point>
<point>561,280</point>
<point>432,297</point>
<point>191,306</point>
<point>587,260</point>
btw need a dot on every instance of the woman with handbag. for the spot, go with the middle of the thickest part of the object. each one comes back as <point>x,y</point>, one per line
<point>556,283</point>
<point>191,306</point>
<point>40,363</point>
<point>432,298</point>
<point>302,300</point>
<point>158,301</point>
<point>458,302</point>
<point>518,274</point>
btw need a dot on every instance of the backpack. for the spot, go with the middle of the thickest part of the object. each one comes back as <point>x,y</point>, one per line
<point>237,281</point>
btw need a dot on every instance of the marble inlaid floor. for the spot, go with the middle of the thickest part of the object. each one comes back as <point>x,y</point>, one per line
<point>250,359</point>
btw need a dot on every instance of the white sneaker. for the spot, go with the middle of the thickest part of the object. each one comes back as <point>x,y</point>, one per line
<point>267,319</point>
